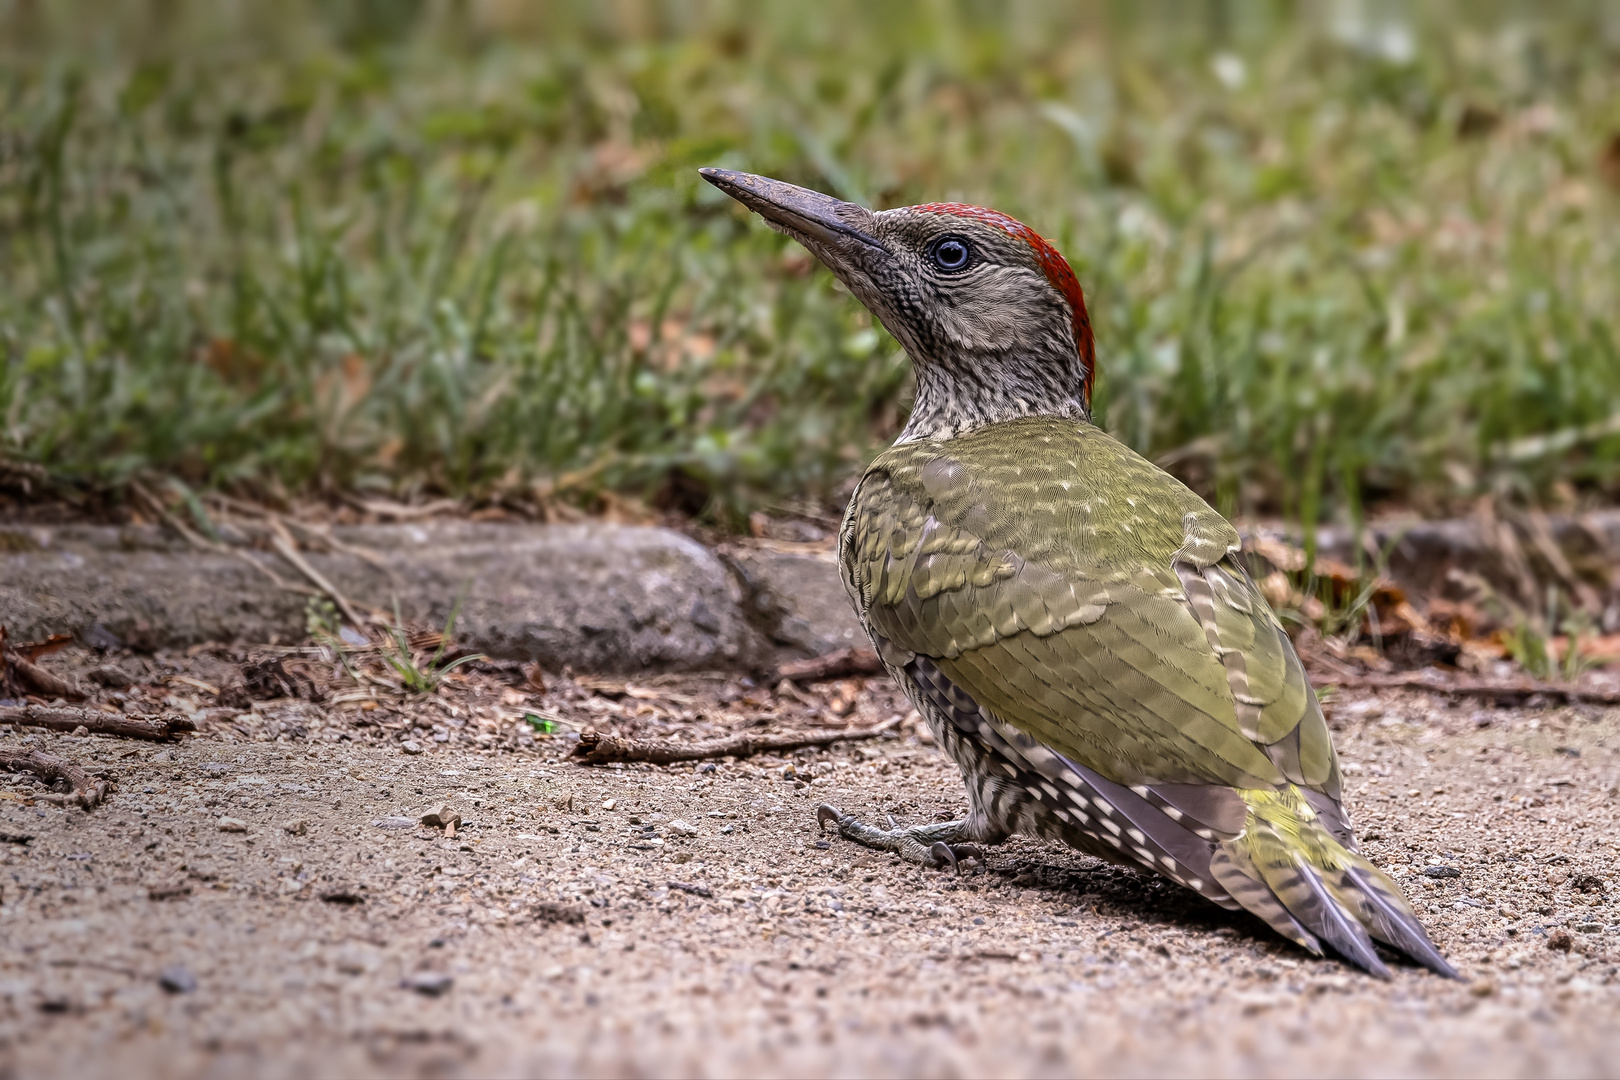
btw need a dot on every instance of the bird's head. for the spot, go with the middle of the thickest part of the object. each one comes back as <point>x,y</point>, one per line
<point>989,312</point>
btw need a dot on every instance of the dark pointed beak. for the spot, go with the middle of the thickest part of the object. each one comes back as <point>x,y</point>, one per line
<point>822,223</point>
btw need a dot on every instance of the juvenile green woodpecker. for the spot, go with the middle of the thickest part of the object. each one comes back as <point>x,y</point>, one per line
<point>1072,622</point>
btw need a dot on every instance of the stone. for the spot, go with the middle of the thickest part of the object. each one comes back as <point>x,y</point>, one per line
<point>440,816</point>
<point>411,746</point>
<point>344,895</point>
<point>793,593</point>
<point>550,911</point>
<point>1560,941</point>
<point>232,825</point>
<point>177,979</point>
<point>593,596</point>
<point>395,823</point>
<point>296,827</point>
<point>430,983</point>
<point>682,828</point>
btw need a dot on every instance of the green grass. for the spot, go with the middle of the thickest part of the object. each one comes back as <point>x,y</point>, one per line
<point>1332,263</point>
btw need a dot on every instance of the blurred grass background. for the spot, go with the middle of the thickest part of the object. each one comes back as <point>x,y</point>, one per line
<point>1339,256</point>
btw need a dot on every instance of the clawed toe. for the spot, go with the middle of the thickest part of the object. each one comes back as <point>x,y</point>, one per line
<point>952,854</point>
<point>927,845</point>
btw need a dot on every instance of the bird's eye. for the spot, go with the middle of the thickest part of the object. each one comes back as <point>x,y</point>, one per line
<point>951,253</point>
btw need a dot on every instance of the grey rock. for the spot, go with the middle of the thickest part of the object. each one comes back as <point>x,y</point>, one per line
<point>177,979</point>
<point>430,984</point>
<point>395,823</point>
<point>411,746</point>
<point>793,594</point>
<point>595,597</point>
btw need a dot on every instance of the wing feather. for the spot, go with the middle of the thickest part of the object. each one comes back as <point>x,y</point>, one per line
<point>1089,600</point>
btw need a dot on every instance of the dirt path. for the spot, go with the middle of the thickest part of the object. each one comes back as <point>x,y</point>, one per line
<point>691,921</point>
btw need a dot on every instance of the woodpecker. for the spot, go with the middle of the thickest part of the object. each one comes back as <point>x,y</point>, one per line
<point>1073,623</point>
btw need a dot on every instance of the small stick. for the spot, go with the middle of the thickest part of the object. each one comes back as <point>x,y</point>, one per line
<point>1417,680</point>
<point>159,728</point>
<point>40,681</point>
<point>88,791</point>
<point>833,665</point>
<point>287,548</point>
<point>696,890</point>
<point>597,748</point>
<point>323,533</point>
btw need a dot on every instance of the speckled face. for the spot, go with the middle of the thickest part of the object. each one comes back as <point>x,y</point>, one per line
<point>966,280</point>
<point>989,312</point>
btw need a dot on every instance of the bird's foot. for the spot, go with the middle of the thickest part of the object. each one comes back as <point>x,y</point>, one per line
<point>938,845</point>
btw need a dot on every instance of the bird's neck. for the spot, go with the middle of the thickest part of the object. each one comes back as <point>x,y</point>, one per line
<point>958,397</point>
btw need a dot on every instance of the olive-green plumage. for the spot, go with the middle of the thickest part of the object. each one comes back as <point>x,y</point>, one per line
<point>1088,598</point>
<point>1072,622</point>
<point>1089,601</point>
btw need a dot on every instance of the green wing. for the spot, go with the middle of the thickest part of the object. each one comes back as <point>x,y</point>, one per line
<point>1087,599</point>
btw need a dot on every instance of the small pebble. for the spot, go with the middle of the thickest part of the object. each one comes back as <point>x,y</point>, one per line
<point>430,984</point>
<point>343,895</point>
<point>1441,872</point>
<point>230,824</point>
<point>1560,941</point>
<point>441,816</point>
<point>682,828</point>
<point>395,823</point>
<point>296,827</point>
<point>705,767</point>
<point>411,746</point>
<point>177,979</point>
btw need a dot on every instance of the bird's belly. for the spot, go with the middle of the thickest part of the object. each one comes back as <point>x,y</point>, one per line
<point>1006,795</point>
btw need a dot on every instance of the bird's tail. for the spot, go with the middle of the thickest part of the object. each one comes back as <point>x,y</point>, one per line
<point>1288,869</point>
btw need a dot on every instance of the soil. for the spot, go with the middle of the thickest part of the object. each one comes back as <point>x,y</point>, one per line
<point>260,898</point>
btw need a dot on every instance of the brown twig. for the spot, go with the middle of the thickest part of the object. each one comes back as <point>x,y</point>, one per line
<point>287,548</point>
<point>19,674</point>
<point>88,791</point>
<point>833,665</point>
<point>1484,688</point>
<point>598,748</point>
<point>42,682</point>
<point>323,534</point>
<point>158,728</point>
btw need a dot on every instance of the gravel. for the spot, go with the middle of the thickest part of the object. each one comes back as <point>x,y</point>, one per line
<point>551,935</point>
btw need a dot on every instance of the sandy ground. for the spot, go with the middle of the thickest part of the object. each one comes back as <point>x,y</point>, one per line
<point>689,920</point>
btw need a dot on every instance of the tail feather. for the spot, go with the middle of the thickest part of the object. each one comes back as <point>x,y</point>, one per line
<point>1391,920</point>
<point>1287,868</point>
<point>1232,867</point>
